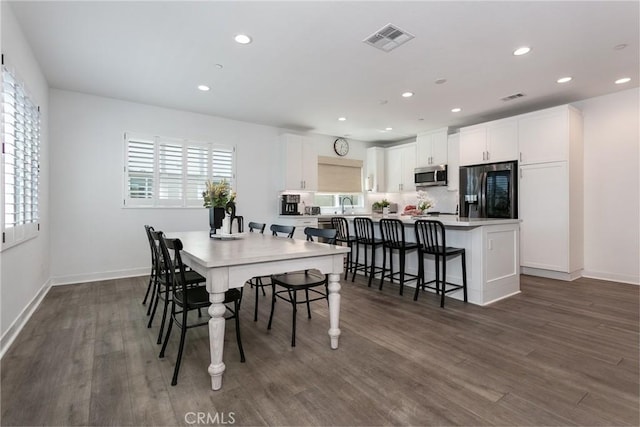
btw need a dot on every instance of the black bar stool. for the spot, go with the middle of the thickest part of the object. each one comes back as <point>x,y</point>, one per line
<point>342,228</point>
<point>363,228</point>
<point>431,238</point>
<point>392,231</point>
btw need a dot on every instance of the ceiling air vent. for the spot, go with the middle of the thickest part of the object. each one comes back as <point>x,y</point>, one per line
<point>388,38</point>
<point>512,97</point>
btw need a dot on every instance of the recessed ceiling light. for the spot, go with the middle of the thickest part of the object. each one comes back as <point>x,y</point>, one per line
<point>456,110</point>
<point>440,81</point>
<point>243,39</point>
<point>342,119</point>
<point>564,79</point>
<point>388,128</point>
<point>203,88</point>
<point>623,80</point>
<point>620,46</point>
<point>219,66</point>
<point>522,51</point>
<point>407,94</point>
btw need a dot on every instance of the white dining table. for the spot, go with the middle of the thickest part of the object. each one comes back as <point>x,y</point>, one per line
<point>230,263</point>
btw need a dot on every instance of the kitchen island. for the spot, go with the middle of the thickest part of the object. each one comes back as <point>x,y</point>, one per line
<point>493,255</point>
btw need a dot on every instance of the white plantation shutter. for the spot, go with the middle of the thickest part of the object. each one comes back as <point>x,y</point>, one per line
<point>165,172</point>
<point>20,161</point>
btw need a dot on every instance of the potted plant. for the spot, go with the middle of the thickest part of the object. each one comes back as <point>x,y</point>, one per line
<point>218,197</point>
<point>379,206</point>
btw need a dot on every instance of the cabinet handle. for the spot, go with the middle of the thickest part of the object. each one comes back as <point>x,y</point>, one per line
<point>521,157</point>
<point>484,154</point>
<point>487,155</point>
<point>520,173</point>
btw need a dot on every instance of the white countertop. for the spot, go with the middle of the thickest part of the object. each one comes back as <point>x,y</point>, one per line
<point>449,220</point>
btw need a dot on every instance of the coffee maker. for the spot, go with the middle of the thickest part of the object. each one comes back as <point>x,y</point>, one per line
<point>289,204</point>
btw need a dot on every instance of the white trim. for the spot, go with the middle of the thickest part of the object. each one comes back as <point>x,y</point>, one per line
<point>500,299</point>
<point>16,326</point>
<point>95,277</point>
<point>550,274</point>
<point>612,277</point>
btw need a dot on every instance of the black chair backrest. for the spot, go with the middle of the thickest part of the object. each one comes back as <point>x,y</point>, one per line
<point>342,227</point>
<point>284,229</point>
<point>363,228</point>
<point>392,231</point>
<point>162,268</point>
<point>152,245</point>
<point>174,264</point>
<point>430,236</point>
<point>327,233</point>
<point>257,226</point>
<point>239,219</point>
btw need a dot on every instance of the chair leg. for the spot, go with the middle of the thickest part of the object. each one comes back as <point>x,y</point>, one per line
<point>306,294</point>
<point>437,275</point>
<point>155,306</point>
<point>164,314</point>
<point>384,263</point>
<point>236,314</point>
<point>153,294</point>
<point>353,275</point>
<point>420,280</point>
<point>183,335</point>
<point>464,275</point>
<point>444,280</point>
<point>259,282</point>
<point>295,310</point>
<point>255,308</point>
<point>366,260</point>
<point>144,301</point>
<point>401,254</point>
<point>166,337</point>
<point>391,265</point>
<point>273,303</point>
<point>373,263</point>
<point>348,266</point>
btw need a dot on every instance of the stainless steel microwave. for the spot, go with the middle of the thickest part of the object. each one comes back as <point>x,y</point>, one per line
<point>430,176</point>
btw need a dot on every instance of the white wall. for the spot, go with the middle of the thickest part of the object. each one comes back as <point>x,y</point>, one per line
<point>25,268</point>
<point>612,186</point>
<point>93,236</point>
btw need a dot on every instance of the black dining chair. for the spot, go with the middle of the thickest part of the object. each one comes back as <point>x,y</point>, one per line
<point>431,238</point>
<point>307,281</point>
<point>187,298</point>
<point>393,238</point>
<point>365,236</point>
<point>342,227</point>
<point>153,275</point>
<point>258,281</point>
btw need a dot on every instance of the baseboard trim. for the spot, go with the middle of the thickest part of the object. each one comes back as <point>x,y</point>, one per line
<point>612,277</point>
<point>16,326</point>
<point>96,277</point>
<point>549,274</point>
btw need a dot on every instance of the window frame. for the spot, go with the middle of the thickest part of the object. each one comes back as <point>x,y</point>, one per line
<point>24,229</point>
<point>186,188</point>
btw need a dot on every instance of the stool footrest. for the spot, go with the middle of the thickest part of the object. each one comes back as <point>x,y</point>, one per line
<point>453,286</point>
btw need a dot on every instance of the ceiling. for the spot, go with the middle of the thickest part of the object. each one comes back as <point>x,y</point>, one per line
<point>308,65</point>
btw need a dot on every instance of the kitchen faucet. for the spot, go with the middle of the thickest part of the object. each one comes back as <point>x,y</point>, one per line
<point>342,202</point>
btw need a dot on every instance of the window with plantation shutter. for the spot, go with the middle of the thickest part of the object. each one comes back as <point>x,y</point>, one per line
<point>164,172</point>
<point>20,161</point>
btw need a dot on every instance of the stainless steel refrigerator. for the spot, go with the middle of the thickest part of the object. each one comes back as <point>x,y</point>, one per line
<point>489,191</point>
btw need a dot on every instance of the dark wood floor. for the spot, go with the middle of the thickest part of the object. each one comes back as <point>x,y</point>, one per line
<point>557,354</point>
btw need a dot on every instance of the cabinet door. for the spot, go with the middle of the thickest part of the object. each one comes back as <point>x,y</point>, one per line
<point>309,162</point>
<point>439,148</point>
<point>544,210</point>
<point>423,150</point>
<point>544,136</point>
<point>292,165</point>
<point>502,141</point>
<point>453,170</point>
<point>408,166</point>
<point>473,144</point>
<point>393,166</point>
<point>375,169</point>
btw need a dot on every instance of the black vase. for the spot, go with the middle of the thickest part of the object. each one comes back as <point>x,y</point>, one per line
<point>216,215</point>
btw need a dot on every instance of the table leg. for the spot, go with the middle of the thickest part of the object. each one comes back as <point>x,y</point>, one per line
<point>334,309</point>
<point>216,339</point>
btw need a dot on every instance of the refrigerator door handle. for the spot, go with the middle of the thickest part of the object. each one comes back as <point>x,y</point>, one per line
<point>483,195</point>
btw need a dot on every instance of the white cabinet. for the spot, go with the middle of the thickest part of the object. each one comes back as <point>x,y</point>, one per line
<point>300,223</point>
<point>375,177</point>
<point>400,162</point>
<point>544,136</point>
<point>489,142</point>
<point>431,148</point>
<point>300,163</point>
<point>551,200</point>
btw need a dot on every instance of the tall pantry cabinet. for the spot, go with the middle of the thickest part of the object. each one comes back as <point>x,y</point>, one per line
<point>551,193</point>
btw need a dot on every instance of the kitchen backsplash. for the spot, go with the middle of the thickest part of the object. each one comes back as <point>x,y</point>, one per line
<point>445,201</point>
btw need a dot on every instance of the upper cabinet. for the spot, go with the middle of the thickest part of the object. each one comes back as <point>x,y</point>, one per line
<point>491,142</point>
<point>299,163</point>
<point>431,148</point>
<point>375,177</point>
<point>400,162</point>
<point>453,168</point>
<point>545,136</point>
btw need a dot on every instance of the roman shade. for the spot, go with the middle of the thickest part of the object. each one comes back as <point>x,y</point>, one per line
<point>339,175</point>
